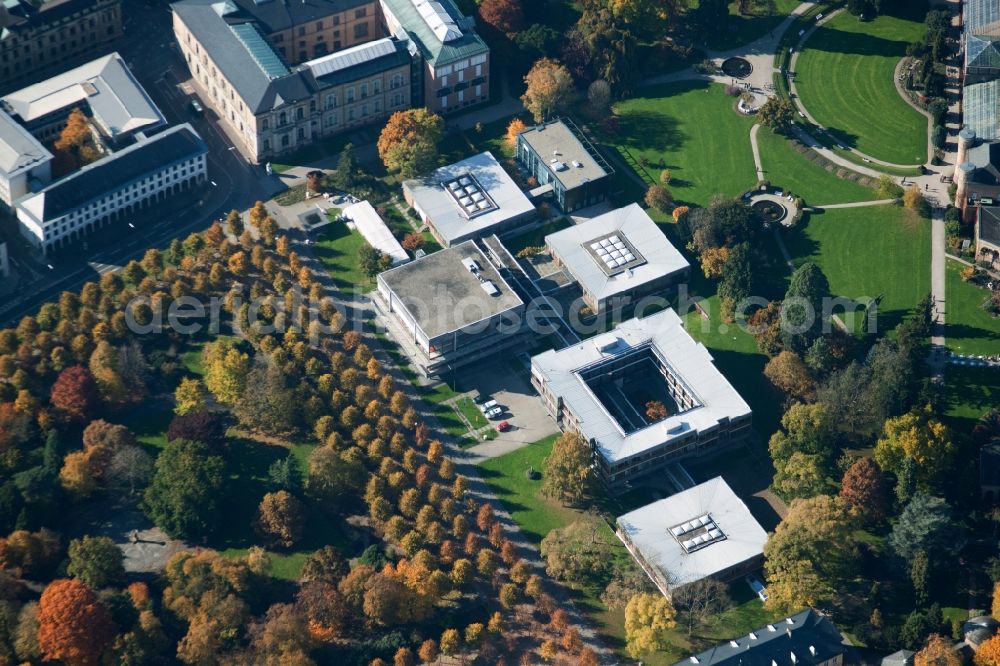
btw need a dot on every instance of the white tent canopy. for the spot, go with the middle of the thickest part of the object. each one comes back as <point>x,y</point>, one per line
<point>374,230</point>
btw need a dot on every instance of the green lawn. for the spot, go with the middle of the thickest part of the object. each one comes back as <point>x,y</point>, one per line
<point>845,78</point>
<point>971,392</point>
<point>784,166</point>
<point>745,29</point>
<point>337,247</point>
<point>291,196</point>
<point>691,129</point>
<point>867,253</point>
<point>471,412</point>
<point>969,329</point>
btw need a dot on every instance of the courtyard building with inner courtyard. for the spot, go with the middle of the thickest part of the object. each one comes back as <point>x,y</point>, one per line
<point>603,387</point>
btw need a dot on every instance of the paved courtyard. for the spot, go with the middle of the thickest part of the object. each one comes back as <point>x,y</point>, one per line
<point>522,409</point>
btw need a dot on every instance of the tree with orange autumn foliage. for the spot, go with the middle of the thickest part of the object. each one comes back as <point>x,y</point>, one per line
<point>504,15</point>
<point>549,89</point>
<point>75,394</point>
<point>409,142</point>
<point>988,653</point>
<point>515,127</point>
<point>937,652</point>
<point>73,627</point>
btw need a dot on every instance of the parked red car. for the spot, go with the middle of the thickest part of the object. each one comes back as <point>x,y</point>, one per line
<point>503,426</point>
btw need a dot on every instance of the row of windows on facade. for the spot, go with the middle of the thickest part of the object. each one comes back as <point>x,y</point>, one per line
<point>30,37</point>
<point>331,101</point>
<point>358,14</point>
<point>445,70</point>
<point>351,115</point>
<point>360,30</point>
<point>63,47</point>
<point>127,195</point>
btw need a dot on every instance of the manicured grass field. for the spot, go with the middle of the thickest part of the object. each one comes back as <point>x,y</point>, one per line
<point>471,412</point>
<point>745,29</point>
<point>786,167</point>
<point>844,77</point>
<point>691,129</point>
<point>867,253</point>
<point>337,247</point>
<point>969,329</point>
<point>536,237</point>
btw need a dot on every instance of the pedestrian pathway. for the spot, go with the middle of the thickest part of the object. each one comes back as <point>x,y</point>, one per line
<point>858,204</point>
<point>756,151</point>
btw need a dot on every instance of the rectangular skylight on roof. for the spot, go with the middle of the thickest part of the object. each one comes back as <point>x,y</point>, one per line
<point>470,197</point>
<point>614,254</point>
<point>697,533</point>
<point>438,20</point>
<point>355,55</point>
<point>259,49</point>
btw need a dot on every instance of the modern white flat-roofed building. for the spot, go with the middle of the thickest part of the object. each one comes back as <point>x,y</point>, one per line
<point>450,308</point>
<point>374,230</point>
<point>468,200</point>
<point>600,388</point>
<point>23,160</point>
<point>104,89</point>
<point>704,531</point>
<point>620,253</point>
<point>105,191</point>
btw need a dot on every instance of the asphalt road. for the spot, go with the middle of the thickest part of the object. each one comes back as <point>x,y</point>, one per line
<point>148,48</point>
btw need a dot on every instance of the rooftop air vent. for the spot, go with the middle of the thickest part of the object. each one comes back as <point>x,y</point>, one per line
<point>471,265</point>
<point>490,288</point>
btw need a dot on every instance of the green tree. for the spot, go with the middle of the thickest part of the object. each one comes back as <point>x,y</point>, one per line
<point>96,560</point>
<point>332,476</point>
<point>926,526</point>
<point>802,308</point>
<point>187,486</point>
<point>581,551</point>
<point>777,113</point>
<point>372,261</point>
<point>234,223</point>
<point>568,476</point>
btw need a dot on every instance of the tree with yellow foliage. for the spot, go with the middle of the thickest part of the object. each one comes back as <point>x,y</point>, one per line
<point>920,437</point>
<point>713,260</point>
<point>647,616</point>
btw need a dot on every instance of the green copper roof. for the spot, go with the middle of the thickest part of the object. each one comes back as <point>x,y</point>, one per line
<point>435,51</point>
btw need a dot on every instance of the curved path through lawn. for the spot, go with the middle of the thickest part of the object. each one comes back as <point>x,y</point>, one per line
<point>797,98</point>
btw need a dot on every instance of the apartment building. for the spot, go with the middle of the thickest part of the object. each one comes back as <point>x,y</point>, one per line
<point>39,35</point>
<point>602,386</point>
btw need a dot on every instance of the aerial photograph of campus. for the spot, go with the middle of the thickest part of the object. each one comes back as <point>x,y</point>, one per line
<point>500,332</point>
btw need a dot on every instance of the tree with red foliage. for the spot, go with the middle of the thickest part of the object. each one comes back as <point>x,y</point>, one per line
<point>504,15</point>
<point>73,627</point>
<point>863,489</point>
<point>75,393</point>
<point>205,427</point>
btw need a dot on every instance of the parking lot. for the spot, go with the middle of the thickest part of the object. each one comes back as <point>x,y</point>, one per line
<point>523,410</point>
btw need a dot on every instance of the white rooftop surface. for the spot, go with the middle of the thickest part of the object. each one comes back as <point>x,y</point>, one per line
<point>648,528</point>
<point>118,102</point>
<point>355,55</point>
<point>688,360</point>
<point>661,257</point>
<point>367,221</point>
<point>18,148</point>
<point>448,218</point>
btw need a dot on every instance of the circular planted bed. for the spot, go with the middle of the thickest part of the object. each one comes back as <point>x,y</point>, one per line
<point>769,211</point>
<point>738,68</point>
